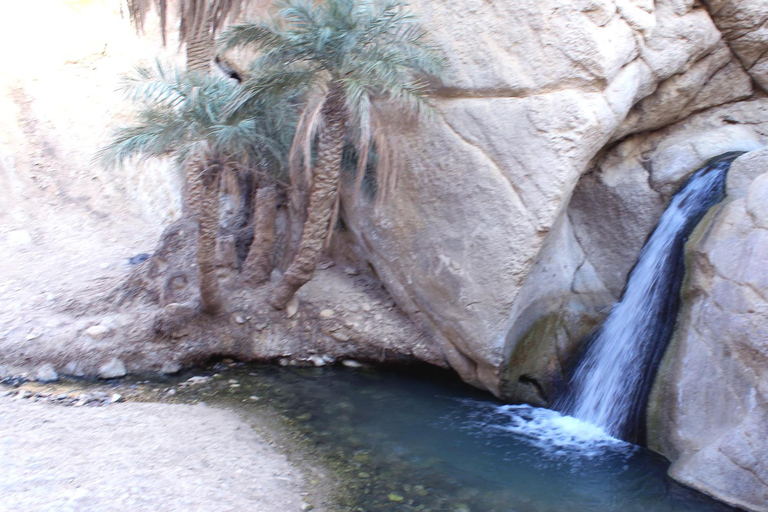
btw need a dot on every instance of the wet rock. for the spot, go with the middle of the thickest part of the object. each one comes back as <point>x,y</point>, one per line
<point>97,332</point>
<point>351,363</point>
<point>112,370</point>
<point>46,373</point>
<point>395,497</point>
<point>317,360</point>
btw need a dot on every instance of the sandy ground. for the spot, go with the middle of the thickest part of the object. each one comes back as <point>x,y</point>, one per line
<point>139,457</point>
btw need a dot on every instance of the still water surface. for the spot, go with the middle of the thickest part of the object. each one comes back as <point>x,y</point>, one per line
<point>419,440</point>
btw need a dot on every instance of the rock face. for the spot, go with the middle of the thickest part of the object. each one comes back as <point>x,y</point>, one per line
<point>563,130</point>
<point>493,228</point>
<point>709,413</point>
<point>743,24</point>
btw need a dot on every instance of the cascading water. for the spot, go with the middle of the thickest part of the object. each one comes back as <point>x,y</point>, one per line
<point>609,386</point>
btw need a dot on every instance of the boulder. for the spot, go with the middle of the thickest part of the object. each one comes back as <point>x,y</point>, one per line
<point>709,409</point>
<point>112,369</point>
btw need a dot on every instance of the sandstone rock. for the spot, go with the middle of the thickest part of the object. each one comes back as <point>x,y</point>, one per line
<point>97,332</point>
<point>743,172</point>
<point>708,412</point>
<point>112,369</point>
<point>46,373</point>
<point>743,24</point>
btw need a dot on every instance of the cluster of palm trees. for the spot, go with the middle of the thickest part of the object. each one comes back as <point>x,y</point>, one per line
<point>322,72</point>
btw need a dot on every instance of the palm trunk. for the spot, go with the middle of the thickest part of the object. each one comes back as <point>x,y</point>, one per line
<point>200,48</point>
<point>258,264</point>
<point>322,198</point>
<point>204,205</point>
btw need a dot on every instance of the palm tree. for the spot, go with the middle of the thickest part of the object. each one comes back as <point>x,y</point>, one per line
<point>199,20</point>
<point>203,122</point>
<point>353,57</point>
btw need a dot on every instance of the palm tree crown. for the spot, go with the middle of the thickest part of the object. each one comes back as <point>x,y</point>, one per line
<point>353,52</point>
<point>346,54</point>
<point>183,113</point>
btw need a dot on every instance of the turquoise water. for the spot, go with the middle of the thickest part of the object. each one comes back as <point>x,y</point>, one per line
<point>419,440</point>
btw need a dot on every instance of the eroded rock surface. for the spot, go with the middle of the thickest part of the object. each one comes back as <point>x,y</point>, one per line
<point>709,411</point>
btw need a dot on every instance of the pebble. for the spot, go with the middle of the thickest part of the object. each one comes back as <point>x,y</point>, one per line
<point>317,360</point>
<point>32,336</point>
<point>46,373</point>
<point>239,319</point>
<point>197,379</point>
<point>327,313</point>
<point>97,332</point>
<point>366,307</point>
<point>351,363</point>
<point>261,327</point>
<point>351,271</point>
<point>113,369</point>
<point>395,497</point>
<point>306,506</point>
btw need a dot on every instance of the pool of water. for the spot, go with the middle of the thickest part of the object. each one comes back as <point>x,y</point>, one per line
<point>419,440</point>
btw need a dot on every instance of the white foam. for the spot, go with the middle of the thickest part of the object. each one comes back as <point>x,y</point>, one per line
<point>553,433</point>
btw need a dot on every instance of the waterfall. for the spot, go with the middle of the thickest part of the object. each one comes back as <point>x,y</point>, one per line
<point>609,386</point>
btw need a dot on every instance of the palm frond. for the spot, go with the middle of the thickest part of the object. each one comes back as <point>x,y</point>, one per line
<point>193,14</point>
